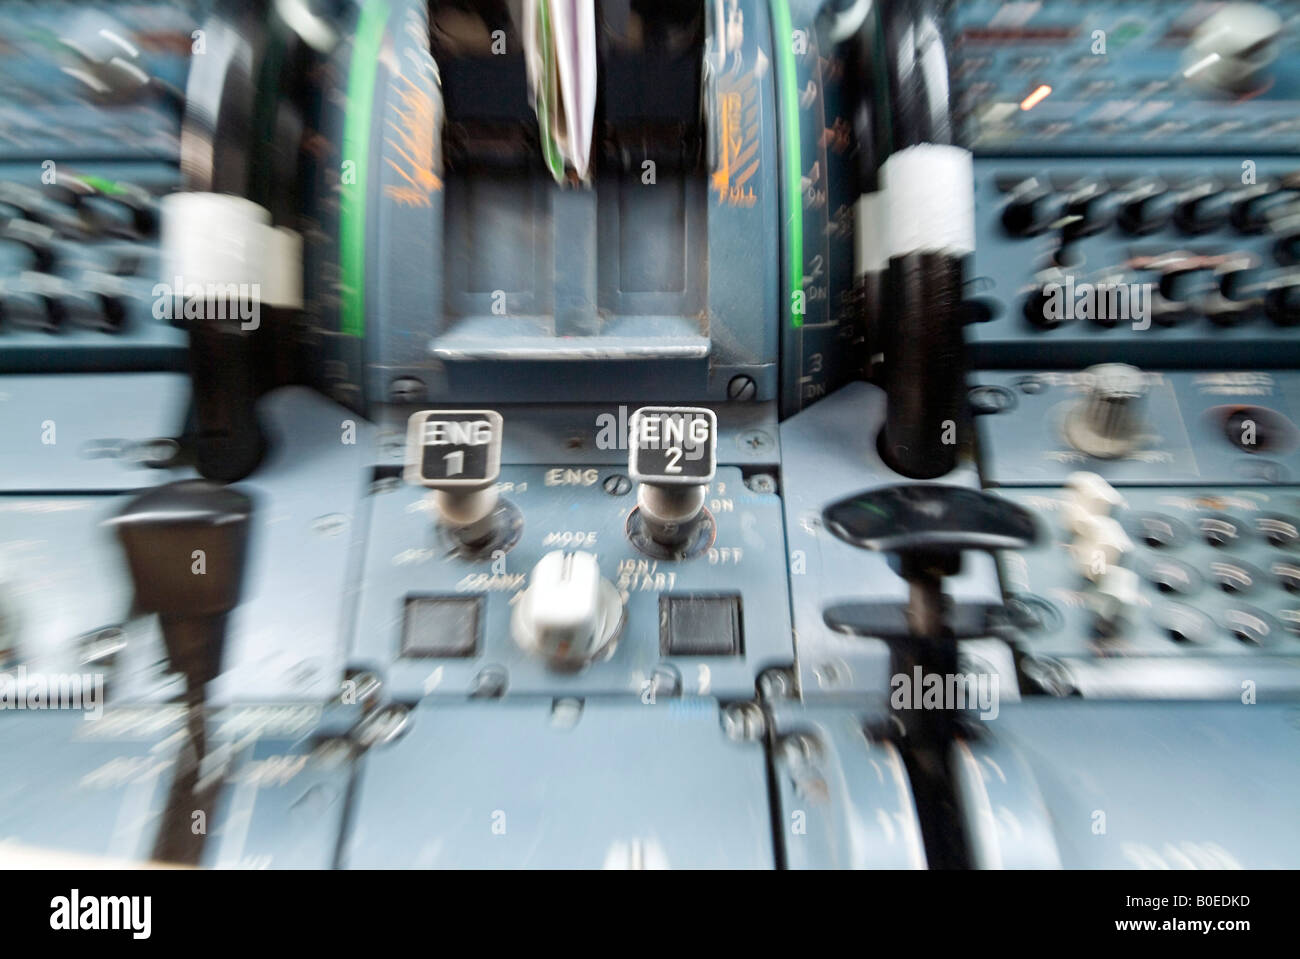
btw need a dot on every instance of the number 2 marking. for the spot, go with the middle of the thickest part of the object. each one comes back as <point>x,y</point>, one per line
<point>674,458</point>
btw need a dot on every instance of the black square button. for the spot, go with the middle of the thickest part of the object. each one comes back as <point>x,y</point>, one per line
<point>441,626</point>
<point>700,624</point>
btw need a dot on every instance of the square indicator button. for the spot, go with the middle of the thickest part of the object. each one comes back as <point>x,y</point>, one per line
<point>441,626</point>
<point>700,625</point>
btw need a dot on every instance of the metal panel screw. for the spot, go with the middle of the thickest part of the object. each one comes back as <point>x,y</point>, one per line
<point>756,441</point>
<point>384,726</point>
<point>666,681</point>
<point>406,389</point>
<point>744,721</point>
<point>364,690</point>
<point>799,749</point>
<point>742,388</point>
<point>986,400</point>
<point>616,484</point>
<point>776,683</point>
<point>490,683</point>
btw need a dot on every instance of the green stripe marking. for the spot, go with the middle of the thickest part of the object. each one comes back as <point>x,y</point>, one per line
<point>356,147</point>
<point>789,97</point>
<point>104,186</point>
<point>546,95</point>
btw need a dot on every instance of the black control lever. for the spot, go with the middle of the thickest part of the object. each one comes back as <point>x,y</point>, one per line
<point>186,545</point>
<point>228,440</point>
<point>925,528</point>
<point>925,364</point>
<point>239,141</point>
<point>929,199</point>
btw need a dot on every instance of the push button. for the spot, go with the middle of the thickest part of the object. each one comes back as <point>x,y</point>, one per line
<point>441,626</point>
<point>700,625</point>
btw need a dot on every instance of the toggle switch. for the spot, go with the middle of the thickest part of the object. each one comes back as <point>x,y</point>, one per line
<point>1087,496</point>
<point>673,458</point>
<point>1092,493</point>
<point>457,455</point>
<point>1114,601</point>
<point>569,615</point>
<point>1099,545</point>
<point>125,211</point>
<point>1098,548</point>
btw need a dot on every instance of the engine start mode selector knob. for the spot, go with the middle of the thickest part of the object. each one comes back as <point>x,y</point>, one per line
<point>1107,423</point>
<point>674,453</point>
<point>457,455</point>
<point>570,615</point>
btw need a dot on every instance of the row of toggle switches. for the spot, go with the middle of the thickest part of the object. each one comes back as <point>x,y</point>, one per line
<point>1148,204</point>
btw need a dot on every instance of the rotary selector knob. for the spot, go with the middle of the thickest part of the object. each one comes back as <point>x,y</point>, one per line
<point>1255,208</point>
<point>569,615</point>
<point>1282,300</point>
<point>1107,423</point>
<point>1201,208</point>
<point>36,237</point>
<point>1089,209</point>
<point>1145,207</point>
<point>1029,210</point>
<point>1043,302</point>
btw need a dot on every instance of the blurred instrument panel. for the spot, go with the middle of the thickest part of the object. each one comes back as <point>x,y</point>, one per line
<point>90,125</point>
<point>621,434</point>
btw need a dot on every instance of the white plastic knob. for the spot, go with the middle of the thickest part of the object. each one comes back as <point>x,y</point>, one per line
<point>1099,547</point>
<point>1115,599</point>
<point>569,615</point>
<point>1231,48</point>
<point>1092,493</point>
